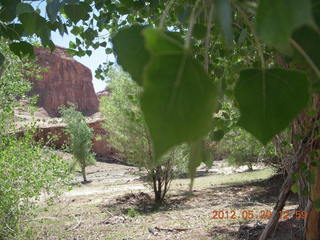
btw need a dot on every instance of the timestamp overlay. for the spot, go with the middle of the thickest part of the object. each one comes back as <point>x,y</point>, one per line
<point>255,214</point>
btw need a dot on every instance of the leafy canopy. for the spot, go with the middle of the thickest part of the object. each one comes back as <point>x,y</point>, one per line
<point>176,59</point>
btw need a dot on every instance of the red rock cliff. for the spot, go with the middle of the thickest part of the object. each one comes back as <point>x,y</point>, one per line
<point>65,80</point>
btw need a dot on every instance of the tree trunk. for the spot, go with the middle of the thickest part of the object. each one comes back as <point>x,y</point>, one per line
<point>285,191</point>
<point>312,224</point>
<point>83,170</point>
<point>272,224</point>
<point>308,124</point>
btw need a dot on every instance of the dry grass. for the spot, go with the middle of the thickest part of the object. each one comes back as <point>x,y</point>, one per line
<point>124,214</point>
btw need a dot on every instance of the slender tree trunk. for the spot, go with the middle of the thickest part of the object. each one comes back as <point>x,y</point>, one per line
<point>250,168</point>
<point>273,222</point>
<point>83,170</point>
<point>285,190</point>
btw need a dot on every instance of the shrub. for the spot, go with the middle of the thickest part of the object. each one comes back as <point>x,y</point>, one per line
<point>243,149</point>
<point>26,170</point>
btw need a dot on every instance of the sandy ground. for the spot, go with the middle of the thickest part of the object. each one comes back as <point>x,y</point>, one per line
<point>117,204</point>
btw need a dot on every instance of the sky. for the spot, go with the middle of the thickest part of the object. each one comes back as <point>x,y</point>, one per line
<point>98,57</point>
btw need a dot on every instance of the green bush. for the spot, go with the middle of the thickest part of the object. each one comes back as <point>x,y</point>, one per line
<point>241,148</point>
<point>26,170</point>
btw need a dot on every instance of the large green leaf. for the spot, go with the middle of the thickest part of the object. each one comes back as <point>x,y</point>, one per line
<point>178,98</point>
<point>270,100</point>
<point>77,12</point>
<point>24,8</point>
<point>277,19</point>
<point>129,47</point>
<point>33,22</point>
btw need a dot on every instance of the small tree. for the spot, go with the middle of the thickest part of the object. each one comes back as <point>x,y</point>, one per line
<point>81,138</point>
<point>129,134</point>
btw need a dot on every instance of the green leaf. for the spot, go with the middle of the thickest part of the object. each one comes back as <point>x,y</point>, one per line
<point>178,98</point>
<point>103,44</point>
<point>33,22</point>
<point>108,50</point>
<point>224,17</point>
<point>77,30</point>
<point>24,8</point>
<point>277,19</point>
<point>77,12</point>
<point>131,55</point>
<point>21,49</point>
<point>72,45</point>
<point>295,188</point>
<point>316,204</point>
<point>270,100</point>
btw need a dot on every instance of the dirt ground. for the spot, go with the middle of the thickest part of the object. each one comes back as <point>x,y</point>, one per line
<point>117,204</point>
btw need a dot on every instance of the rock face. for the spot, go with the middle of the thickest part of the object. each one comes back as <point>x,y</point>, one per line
<point>99,145</point>
<point>51,131</point>
<point>65,80</point>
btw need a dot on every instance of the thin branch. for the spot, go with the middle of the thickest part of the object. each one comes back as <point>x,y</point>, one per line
<point>165,14</point>
<point>191,24</point>
<point>207,41</point>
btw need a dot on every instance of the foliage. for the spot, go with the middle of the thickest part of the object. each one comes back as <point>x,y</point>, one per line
<point>288,27</point>
<point>129,134</point>
<point>191,21</point>
<point>13,85</point>
<point>26,170</point>
<point>80,137</point>
<point>267,95</point>
<point>241,148</point>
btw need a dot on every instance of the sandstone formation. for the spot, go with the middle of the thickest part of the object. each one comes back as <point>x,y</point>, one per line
<point>64,80</point>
